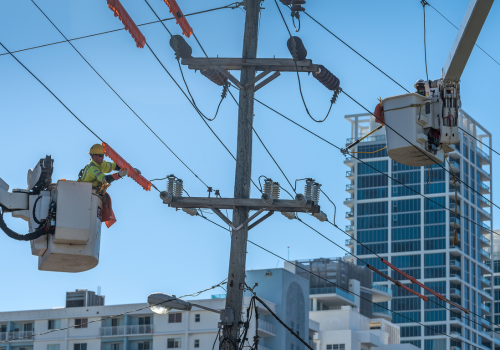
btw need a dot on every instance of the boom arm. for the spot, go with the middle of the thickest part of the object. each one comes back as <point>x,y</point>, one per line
<point>466,39</point>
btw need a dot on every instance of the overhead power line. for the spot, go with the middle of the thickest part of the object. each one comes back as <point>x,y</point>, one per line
<point>233,6</point>
<point>116,93</point>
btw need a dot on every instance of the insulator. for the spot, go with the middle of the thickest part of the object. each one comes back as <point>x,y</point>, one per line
<point>170,184</point>
<point>268,186</point>
<point>267,198</point>
<point>315,192</point>
<point>288,214</point>
<point>321,216</point>
<point>325,77</point>
<point>301,199</point>
<point>190,211</point>
<point>166,197</point>
<point>308,189</point>
<point>276,190</point>
<point>298,52</point>
<point>214,76</point>
<point>297,5</point>
<point>179,188</point>
<point>180,47</point>
<point>286,2</point>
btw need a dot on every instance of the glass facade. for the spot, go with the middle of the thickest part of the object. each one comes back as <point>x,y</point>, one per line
<point>416,235</point>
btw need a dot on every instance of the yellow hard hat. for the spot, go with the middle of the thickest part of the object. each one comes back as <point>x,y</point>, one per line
<point>96,149</point>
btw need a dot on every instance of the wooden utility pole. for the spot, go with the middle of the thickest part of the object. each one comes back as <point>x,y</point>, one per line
<point>242,183</point>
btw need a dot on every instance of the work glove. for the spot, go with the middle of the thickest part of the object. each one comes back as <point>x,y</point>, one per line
<point>137,171</point>
<point>123,172</point>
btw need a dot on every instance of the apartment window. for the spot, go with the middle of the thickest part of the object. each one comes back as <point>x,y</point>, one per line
<point>196,343</point>
<point>335,347</point>
<point>116,346</point>
<point>144,320</point>
<point>53,347</point>
<point>114,322</point>
<point>82,346</point>
<point>81,323</point>
<point>175,318</point>
<point>54,324</point>
<point>144,345</point>
<point>173,343</point>
<point>197,318</point>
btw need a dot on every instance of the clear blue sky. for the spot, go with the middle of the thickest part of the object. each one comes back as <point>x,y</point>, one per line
<point>152,247</point>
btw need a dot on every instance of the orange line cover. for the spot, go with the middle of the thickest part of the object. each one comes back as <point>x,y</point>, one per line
<point>179,17</point>
<point>141,180</point>
<point>127,21</point>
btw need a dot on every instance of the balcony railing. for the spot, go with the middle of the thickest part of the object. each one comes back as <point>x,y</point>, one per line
<point>367,139</point>
<point>349,241</point>
<point>382,288</point>
<point>484,239</point>
<point>349,214</point>
<point>484,280</point>
<point>349,173</point>
<point>19,335</point>
<point>454,164</point>
<point>349,228</point>
<point>218,296</point>
<point>484,186</point>
<point>455,291</point>
<point>266,327</point>
<point>484,171</point>
<point>484,307</point>
<point>483,225</point>
<point>482,199</point>
<point>349,187</point>
<point>485,253</point>
<point>482,153</point>
<point>454,263</point>
<point>126,330</point>
<point>349,199</point>
<point>331,290</point>
<point>3,336</point>
<point>381,310</point>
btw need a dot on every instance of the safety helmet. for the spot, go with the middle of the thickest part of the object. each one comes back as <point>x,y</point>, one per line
<point>419,82</point>
<point>96,149</point>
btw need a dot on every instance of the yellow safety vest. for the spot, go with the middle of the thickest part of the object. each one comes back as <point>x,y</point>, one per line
<point>94,173</point>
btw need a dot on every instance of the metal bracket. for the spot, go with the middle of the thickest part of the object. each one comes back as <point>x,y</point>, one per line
<point>257,78</point>
<point>227,221</point>
<point>230,77</point>
<point>268,80</point>
<point>260,220</point>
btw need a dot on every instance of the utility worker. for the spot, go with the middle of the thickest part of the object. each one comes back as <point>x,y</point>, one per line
<point>95,171</point>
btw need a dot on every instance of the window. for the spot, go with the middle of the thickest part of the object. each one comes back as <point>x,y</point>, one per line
<point>144,320</point>
<point>335,347</point>
<point>82,346</point>
<point>197,318</point>
<point>175,318</point>
<point>173,343</point>
<point>144,345</point>
<point>435,329</point>
<point>413,331</point>
<point>53,347</point>
<point>116,346</point>
<point>81,323</point>
<point>196,343</point>
<point>54,324</point>
<point>114,322</point>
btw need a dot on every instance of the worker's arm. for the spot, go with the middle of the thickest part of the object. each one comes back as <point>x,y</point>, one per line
<point>109,167</point>
<point>115,176</point>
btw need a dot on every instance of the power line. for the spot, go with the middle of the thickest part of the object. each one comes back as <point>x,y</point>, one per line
<point>232,6</point>
<point>367,164</point>
<point>425,43</point>
<point>57,98</point>
<point>480,48</point>
<point>116,93</point>
<point>479,141</point>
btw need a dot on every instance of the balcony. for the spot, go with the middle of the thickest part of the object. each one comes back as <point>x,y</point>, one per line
<point>485,308</point>
<point>349,243</point>
<point>349,161</point>
<point>218,296</point>
<point>3,336</point>
<point>452,220</point>
<point>366,139</point>
<point>331,290</point>
<point>455,166</point>
<point>485,266</point>
<point>454,319</point>
<point>454,276</point>
<point>380,312</point>
<point>484,202</point>
<point>483,225</point>
<point>454,264</point>
<point>454,292</point>
<point>382,288</point>
<point>349,175</point>
<point>483,188</point>
<point>484,173</point>
<point>349,202</point>
<point>350,188</point>
<point>485,253</point>
<point>483,154</point>
<point>484,240</point>
<point>453,205</point>
<point>266,329</point>
<point>126,330</point>
<point>349,228</point>
<point>19,335</point>
<point>381,294</point>
<point>484,280</point>
<point>349,215</point>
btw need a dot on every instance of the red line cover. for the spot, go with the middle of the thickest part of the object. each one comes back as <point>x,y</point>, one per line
<point>397,283</point>
<point>179,17</point>
<point>127,21</point>
<point>141,180</point>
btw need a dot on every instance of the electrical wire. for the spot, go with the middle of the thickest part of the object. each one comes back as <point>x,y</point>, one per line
<point>368,164</point>
<point>124,313</point>
<point>479,141</point>
<point>360,55</point>
<point>479,47</point>
<point>232,6</point>
<point>45,86</point>
<point>297,71</point>
<point>425,43</point>
<point>118,95</point>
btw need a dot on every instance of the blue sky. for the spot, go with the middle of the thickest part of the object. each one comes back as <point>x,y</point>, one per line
<point>152,247</point>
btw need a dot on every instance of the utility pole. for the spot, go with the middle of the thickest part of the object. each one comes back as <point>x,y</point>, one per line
<point>242,183</point>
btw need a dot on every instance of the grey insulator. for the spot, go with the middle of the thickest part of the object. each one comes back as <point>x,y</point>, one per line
<point>321,216</point>
<point>268,186</point>
<point>301,199</point>
<point>288,214</point>
<point>166,197</point>
<point>180,47</point>
<point>308,189</point>
<point>214,76</point>
<point>267,198</point>
<point>325,77</point>
<point>316,192</point>
<point>297,5</point>
<point>179,188</point>
<point>298,52</point>
<point>190,211</point>
<point>276,190</point>
<point>171,184</point>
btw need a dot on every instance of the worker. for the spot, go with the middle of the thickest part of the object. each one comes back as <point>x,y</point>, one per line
<point>420,86</point>
<point>95,171</point>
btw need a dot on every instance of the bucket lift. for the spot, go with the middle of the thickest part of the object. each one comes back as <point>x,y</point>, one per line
<point>422,126</point>
<point>64,219</point>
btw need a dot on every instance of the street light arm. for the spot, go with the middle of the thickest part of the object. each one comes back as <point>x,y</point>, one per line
<point>206,308</point>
